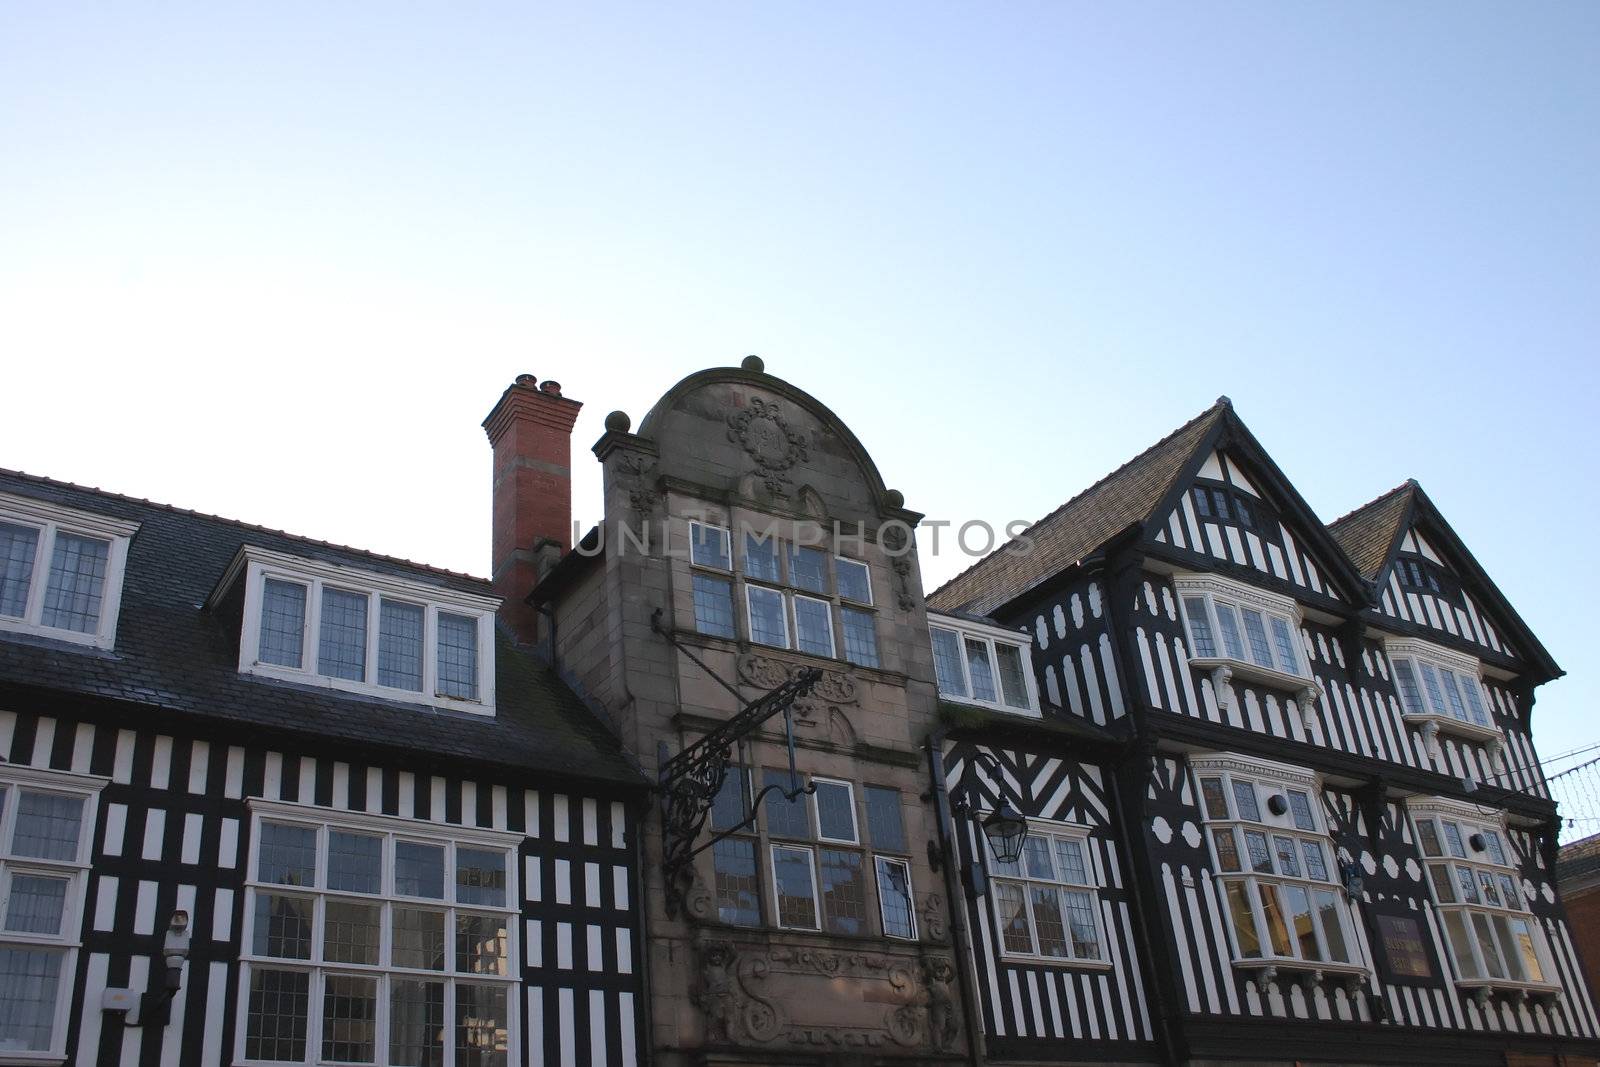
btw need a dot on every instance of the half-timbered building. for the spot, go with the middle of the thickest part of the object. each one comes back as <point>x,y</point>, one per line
<point>1282,795</point>
<point>266,801</point>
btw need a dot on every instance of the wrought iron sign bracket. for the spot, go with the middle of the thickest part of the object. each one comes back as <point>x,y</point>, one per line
<point>690,781</point>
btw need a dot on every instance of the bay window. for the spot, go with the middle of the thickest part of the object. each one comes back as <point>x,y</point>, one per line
<point>61,571</point>
<point>1046,903</point>
<point>976,663</point>
<point>377,940</point>
<point>1440,689</point>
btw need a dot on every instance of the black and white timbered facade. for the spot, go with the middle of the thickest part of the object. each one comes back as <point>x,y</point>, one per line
<point>394,835</point>
<point>1298,760</point>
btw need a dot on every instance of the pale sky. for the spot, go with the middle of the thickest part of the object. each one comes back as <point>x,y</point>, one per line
<point>276,262</point>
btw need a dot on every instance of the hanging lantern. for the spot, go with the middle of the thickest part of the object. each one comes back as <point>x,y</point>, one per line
<point>1006,831</point>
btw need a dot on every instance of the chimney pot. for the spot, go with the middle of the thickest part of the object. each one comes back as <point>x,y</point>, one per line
<point>548,386</point>
<point>527,379</point>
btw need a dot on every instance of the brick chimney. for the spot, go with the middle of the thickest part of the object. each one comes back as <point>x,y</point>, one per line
<point>530,430</point>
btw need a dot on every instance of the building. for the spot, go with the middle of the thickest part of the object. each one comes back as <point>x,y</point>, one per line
<point>267,800</point>
<point>1578,883</point>
<point>1297,815</point>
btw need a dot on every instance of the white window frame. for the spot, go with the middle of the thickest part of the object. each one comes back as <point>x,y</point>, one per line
<point>1440,720</point>
<point>989,636</point>
<point>879,862</point>
<point>749,615</point>
<point>727,545</point>
<point>49,520</point>
<point>865,570</point>
<point>1078,833</point>
<point>69,940</point>
<point>816,812</point>
<point>816,888</point>
<point>255,565</point>
<point>793,600</point>
<point>1470,819</point>
<point>1212,588</point>
<point>1265,776</point>
<point>324,821</point>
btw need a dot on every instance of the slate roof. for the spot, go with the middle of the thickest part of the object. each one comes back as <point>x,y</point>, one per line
<point>1369,532</point>
<point>1077,528</point>
<point>172,655</point>
<point>1579,859</point>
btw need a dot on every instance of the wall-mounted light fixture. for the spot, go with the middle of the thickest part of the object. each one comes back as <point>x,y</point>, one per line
<point>155,1005</point>
<point>1004,828</point>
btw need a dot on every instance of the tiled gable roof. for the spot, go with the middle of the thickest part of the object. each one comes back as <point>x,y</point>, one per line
<point>173,655</point>
<point>1369,532</point>
<point>1081,525</point>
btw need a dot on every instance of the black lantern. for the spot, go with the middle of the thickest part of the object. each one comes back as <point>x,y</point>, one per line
<point>1006,831</point>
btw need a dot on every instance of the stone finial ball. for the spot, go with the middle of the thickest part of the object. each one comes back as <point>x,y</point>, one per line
<point>754,363</point>
<point>618,422</point>
<point>894,498</point>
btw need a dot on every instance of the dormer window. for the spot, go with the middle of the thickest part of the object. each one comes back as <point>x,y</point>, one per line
<point>1420,575</point>
<point>334,626</point>
<point>980,664</point>
<point>61,571</point>
<point>1440,689</point>
<point>1227,505</point>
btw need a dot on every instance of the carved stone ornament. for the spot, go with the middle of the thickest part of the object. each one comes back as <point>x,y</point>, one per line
<point>633,474</point>
<point>761,430</point>
<point>933,916</point>
<point>834,690</point>
<point>894,539</point>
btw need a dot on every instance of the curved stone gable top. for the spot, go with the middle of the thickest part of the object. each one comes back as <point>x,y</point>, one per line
<point>757,436</point>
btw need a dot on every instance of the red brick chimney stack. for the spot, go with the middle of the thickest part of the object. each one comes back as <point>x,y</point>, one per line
<point>530,429</point>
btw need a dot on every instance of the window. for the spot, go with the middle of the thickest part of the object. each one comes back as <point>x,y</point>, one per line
<point>1045,903</point>
<point>1493,940</point>
<point>792,597</point>
<point>1440,687</point>
<point>46,830</point>
<point>1272,858</point>
<point>979,664</point>
<point>1420,575</point>
<point>821,872</point>
<point>1228,505</point>
<point>1243,626</point>
<point>61,571</point>
<point>377,940</point>
<point>333,626</point>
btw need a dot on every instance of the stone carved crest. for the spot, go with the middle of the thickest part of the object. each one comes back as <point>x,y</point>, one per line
<point>633,474</point>
<point>827,696</point>
<point>761,430</point>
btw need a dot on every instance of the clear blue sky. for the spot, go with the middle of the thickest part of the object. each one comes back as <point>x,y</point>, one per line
<point>276,261</point>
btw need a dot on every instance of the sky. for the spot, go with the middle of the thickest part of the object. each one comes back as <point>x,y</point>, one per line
<point>276,262</point>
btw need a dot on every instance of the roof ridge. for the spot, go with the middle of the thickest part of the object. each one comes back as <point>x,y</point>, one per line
<point>380,556</point>
<point>1222,404</point>
<point>1409,483</point>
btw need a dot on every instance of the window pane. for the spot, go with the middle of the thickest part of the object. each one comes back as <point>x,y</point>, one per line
<point>48,825</point>
<point>1302,928</point>
<point>1227,849</point>
<point>1467,885</point>
<point>1452,837</point>
<point>1081,925</point>
<point>1491,889</point>
<point>418,939</point>
<point>1036,857</point>
<point>1510,893</point>
<point>355,862</point>
<point>1219,503</point>
<point>860,636</point>
<point>350,1019</point>
<point>978,667</point>
<point>797,903</point>
<point>1013,690</point>
<point>767,624</point>
<point>1452,692</point>
<point>1523,945</point>
<point>1272,914</point>
<point>1486,945</point>
<point>31,980</point>
<point>419,870</point>
<point>77,579</point>
<point>287,854</point>
<point>1300,808</point>
<point>1244,923</point>
<point>808,568</point>
<point>836,816</point>
<point>1455,925</point>
<point>1242,513</point>
<point>713,605</point>
<point>1047,921</point>
<point>855,581</point>
<point>1288,856</point>
<point>400,645</point>
<point>1202,502</point>
<point>1244,801</point>
<point>1216,800</point>
<point>813,626</point>
<point>1508,948</point>
<point>1255,629</point>
<point>481,944</point>
<point>1069,861</point>
<point>458,656</point>
<point>761,558</point>
<point>1013,913</point>
<point>1255,844</point>
<point>1428,836</point>
<point>342,646</point>
<point>1443,887</point>
<point>1430,682</point>
<point>481,1036</point>
<point>844,891</point>
<point>350,932</point>
<point>785,818</point>
<point>416,1023</point>
<point>1228,623</point>
<point>17,547</point>
<point>1201,643</point>
<point>275,1021</point>
<point>1406,681</point>
<point>1315,867</point>
<point>894,894</point>
<point>36,906</point>
<point>947,662</point>
<point>884,819</point>
<point>1330,912</point>
<point>282,926</point>
<point>283,622</point>
<point>480,876</point>
<point>1283,643</point>
<point>709,546</point>
<point>737,884</point>
<point>1469,686</point>
<point>728,807</point>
